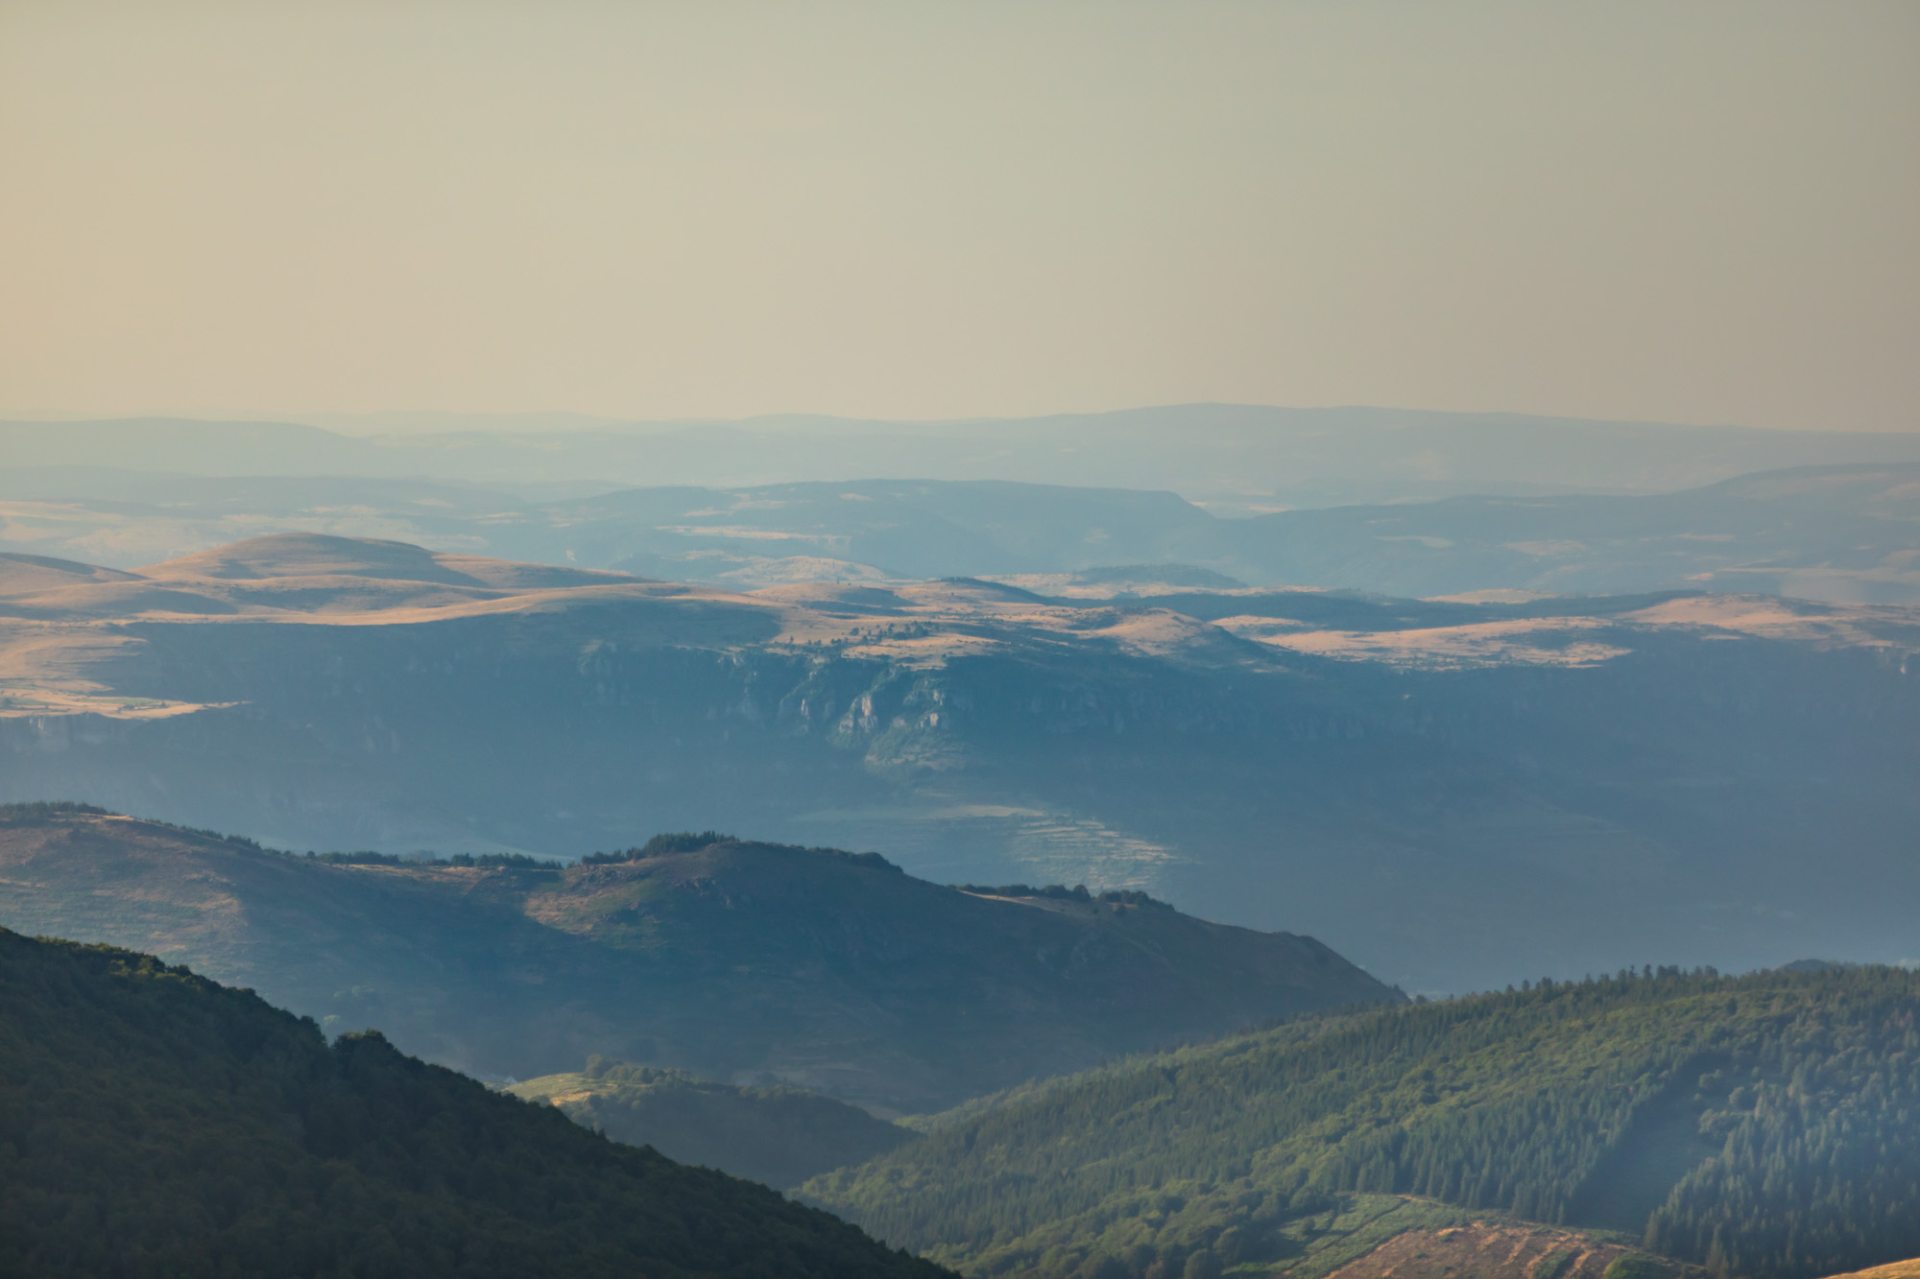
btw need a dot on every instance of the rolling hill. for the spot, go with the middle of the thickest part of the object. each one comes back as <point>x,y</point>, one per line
<point>1424,784</point>
<point>153,1123</point>
<point>1761,1126</point>
<point>742,962</point>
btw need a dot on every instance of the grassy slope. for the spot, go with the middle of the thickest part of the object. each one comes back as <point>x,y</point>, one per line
<point>779,1136</point>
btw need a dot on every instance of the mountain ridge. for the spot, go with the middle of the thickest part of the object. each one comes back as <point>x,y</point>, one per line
<point>742,962</point>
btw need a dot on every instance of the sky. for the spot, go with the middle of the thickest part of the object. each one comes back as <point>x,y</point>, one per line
<point>1695,212</point>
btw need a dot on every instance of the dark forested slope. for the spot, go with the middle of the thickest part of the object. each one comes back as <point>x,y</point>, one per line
<point>153,1123</point>
<point>1762,1126</point>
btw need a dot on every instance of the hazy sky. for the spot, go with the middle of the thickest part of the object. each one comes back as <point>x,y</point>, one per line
<point>1687,211</point>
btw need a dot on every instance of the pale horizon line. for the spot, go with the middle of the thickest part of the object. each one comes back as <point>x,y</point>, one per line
<point>379,421</point>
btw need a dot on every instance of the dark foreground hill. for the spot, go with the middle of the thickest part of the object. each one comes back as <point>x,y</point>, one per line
<point>779,1136</point>
<point>743,962</point>
<point>1766,1126</point>
<point>153,1123</point>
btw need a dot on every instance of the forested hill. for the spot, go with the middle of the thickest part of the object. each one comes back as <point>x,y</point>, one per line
<point>153,1123</point>
<point>726,958</point>
<point>1765,1126</point>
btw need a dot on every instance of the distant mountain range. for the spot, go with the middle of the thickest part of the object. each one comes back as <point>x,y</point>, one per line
<point>1448,792</point>
<point>1764,1126</point>
<point>1245,456</point>
<point>746,963</point>
<point>1843,534</point>
<point>154,1124</point>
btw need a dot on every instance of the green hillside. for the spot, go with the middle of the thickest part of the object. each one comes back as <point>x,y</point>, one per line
<point>153,1123</point>
<point>780,1136</point>
<point>734,960</point>
<point>1766,1126</point>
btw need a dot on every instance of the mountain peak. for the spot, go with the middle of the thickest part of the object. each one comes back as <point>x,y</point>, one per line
<point>312,555</point>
